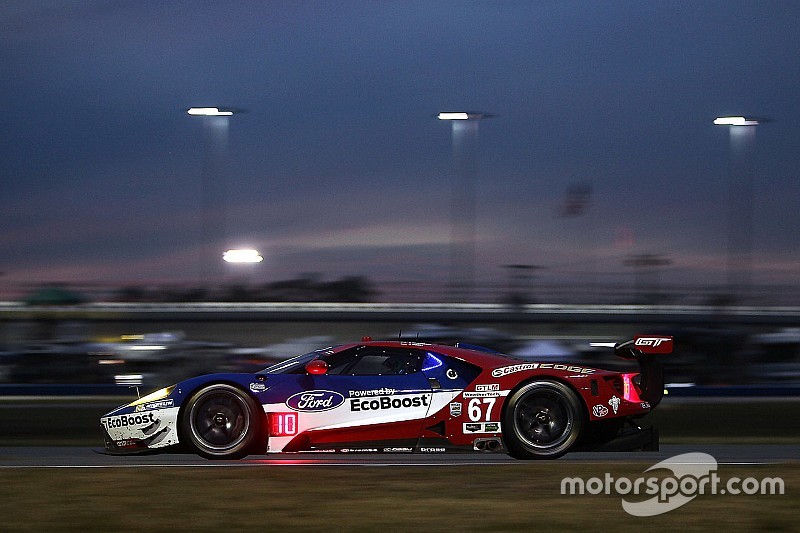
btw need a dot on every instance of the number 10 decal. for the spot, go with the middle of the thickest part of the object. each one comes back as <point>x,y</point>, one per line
<point>475,409</point>
<point>282,424</point>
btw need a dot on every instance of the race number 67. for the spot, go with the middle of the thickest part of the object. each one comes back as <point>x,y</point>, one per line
<point>475,409</point>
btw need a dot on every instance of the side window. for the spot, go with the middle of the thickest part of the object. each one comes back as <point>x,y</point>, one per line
<point>339,363</point>
<point>372,365</point>
<point>374,361</point>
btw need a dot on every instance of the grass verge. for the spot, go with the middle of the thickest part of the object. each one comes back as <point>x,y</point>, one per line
<point>524,497</point>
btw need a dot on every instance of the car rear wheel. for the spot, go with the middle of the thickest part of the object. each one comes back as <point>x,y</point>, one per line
<point>221,422</point>
<point>543,420</point>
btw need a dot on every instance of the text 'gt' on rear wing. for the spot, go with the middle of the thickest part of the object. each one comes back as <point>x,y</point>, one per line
<point>640,345</point>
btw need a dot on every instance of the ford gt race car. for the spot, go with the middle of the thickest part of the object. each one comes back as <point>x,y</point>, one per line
<point>395,396</point>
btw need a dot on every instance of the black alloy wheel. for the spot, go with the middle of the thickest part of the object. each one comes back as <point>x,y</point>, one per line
<point>221,422</point>
<point>543,420</point>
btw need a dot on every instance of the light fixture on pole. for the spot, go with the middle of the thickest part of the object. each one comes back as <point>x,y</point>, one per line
<point>244,255</point>
<point>209,112</point>
<point>735,121</point>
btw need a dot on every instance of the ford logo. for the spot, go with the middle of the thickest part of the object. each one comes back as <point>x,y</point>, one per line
<point>315,400</point>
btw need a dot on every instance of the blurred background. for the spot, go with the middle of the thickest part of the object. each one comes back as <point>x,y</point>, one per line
<point>189,187</point>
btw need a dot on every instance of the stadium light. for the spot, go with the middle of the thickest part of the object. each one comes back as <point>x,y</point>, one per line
<point>242,256</point>
<point>461,115</point>
<point>735,121</point>
<point>209,112</point>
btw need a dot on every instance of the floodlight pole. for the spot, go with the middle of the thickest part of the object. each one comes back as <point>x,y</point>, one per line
<point>213,190</point>
<point>463,204</point>
<point>739,267</point>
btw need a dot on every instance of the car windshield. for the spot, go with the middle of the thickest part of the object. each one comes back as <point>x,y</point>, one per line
<point>285,367</point>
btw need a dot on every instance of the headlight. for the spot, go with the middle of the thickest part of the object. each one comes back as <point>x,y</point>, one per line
<point>153,396</point>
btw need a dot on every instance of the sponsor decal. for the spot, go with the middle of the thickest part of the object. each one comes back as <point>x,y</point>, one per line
<point>398,450</point>
<point>127,443</point>
<point>372,392</point>
<point>258,387</point>
<point>455,409</point>
<point>645,405</point>
<point>315,401</point>
<point>451,373</point>
<point>159,404</point>
<point>568,368</point>
<point>432,450</point>
<point>614,403</point>
<point>506,370</point>
<point>359,450</point>
<point>512,369</point>
<point>385,402</point>
<point>491,390</point>
<point>599,410</point>
<point>129,420</point>
<point>490,394</point>
<point>652,344</point>
<point>482,427</point>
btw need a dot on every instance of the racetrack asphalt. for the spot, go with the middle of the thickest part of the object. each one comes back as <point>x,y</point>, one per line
<point>83,457</point>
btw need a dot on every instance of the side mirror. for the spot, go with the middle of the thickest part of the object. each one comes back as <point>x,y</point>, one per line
<point>317,367</point>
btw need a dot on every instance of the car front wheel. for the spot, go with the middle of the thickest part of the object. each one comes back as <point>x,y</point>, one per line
<point>221,422</point>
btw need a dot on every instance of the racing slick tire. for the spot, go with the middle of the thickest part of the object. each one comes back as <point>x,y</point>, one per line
<point>221,422</point>
<point>543,420</point>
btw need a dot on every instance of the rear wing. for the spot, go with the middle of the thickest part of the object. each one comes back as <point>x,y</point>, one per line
<point>645,349</point>
<point>639,345</point>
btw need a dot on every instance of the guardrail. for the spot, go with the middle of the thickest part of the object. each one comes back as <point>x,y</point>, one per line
<point>465,313</point>
<point>573,288</point>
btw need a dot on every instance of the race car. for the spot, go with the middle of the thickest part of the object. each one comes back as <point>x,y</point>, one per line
<point>398,396</point>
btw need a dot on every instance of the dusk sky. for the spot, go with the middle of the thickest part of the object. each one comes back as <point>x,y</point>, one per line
<point>338,165</point>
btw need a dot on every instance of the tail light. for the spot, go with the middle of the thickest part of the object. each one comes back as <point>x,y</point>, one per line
<point>631,389</point>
